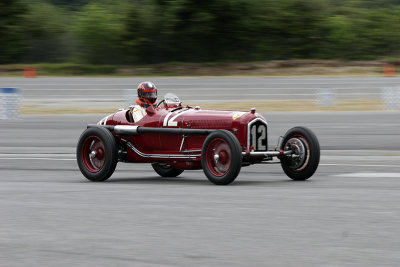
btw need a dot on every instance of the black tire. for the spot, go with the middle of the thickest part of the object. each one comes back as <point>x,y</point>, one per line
<point>223,167</point>
<point>305,143</point>
<point>100,166</point>
<point>166,170</point>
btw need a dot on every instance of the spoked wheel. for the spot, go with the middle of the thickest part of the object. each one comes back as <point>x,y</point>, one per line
<point>97,154</point>
<point>165,170</point>
<point>304,161</point>
<point>93,154</point>
<point>221,157</point>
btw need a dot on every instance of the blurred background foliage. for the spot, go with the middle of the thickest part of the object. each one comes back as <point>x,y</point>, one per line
<point>157,31</point>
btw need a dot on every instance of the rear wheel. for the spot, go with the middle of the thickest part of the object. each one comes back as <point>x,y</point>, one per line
<point>97,154</point>
<point>221,157</point>
<point>165,170</point>
<point>303,163</point>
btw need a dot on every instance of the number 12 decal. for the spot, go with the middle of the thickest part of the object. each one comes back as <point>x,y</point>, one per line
<point>172,122</point>
<point>258,136</point>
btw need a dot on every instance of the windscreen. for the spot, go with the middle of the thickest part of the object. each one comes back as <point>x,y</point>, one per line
<point>172,100</point>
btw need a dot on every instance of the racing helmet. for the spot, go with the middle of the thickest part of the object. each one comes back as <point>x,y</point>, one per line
<point>147,94</point>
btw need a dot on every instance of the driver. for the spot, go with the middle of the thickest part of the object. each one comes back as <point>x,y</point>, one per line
<point>147,96</point>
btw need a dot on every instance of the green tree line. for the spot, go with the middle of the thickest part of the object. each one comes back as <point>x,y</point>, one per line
<point>154,31</point>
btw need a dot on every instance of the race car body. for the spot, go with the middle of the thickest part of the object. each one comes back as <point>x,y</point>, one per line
<point>175,138</point>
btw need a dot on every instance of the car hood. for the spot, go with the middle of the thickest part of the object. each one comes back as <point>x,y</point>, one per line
<point>217,119</point>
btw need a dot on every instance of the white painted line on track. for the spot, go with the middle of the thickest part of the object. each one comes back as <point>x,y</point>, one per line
<point>213,81</point>
<point>37,155</point>
<point>73,159</point>
<point>358,165</point>
<point>369,175</point>
<point>195,89</point>
<point>62,159</point>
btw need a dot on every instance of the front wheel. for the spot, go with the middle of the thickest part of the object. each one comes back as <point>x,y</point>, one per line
<point>221,157</point>
<point>165,170</point>
<point>97,154</point>
<point>304,161</point>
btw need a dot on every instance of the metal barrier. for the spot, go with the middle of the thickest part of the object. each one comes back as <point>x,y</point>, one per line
<point>10,102</point>
<point>391,98</point>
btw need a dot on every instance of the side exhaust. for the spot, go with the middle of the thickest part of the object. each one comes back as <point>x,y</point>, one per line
<point>135,130</point>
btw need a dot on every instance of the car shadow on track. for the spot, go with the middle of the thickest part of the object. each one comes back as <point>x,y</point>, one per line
<point>155,180</point>
<point>192,181</point>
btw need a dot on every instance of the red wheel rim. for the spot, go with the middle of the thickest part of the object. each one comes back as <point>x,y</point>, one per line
<point>218,157</point>
<point>93,154</point>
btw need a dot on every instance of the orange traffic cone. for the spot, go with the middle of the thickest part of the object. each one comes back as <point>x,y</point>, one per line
<point>389,71</point>
<point>29,72</point>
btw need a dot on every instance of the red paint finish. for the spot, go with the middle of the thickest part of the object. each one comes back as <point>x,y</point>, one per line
<point>94,145</point>
<point>171,144</point>
<point>218,157</point>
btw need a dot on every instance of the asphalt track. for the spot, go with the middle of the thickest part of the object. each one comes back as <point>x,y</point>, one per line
<point>347,214</point>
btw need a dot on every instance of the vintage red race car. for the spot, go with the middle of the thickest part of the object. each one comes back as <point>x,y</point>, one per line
<point>174,138</point>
